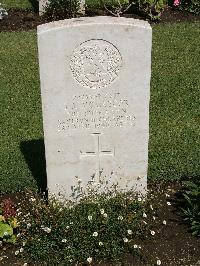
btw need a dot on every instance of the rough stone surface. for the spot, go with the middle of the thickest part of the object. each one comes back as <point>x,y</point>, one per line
<point>42,4</point>
<point>95,85</point>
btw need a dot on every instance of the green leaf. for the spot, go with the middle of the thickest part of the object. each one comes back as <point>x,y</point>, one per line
<point>12,239</point>
<point>5,228</point>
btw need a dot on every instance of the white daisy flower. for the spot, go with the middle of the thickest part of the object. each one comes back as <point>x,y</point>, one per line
<point>32,199</point>
<point>168,203</point>
<point>90,217</point>
<point>64,240</point>
<point>95,234</point>
<point>144,215</point>
<point>130,232</point>
<point>125,240</point>
<point>152,233</point>
<point>16,252</point>
<point>120,218</point>
<point>21,250</point>
<point>28,225</point>
<point>89,259</point>
<point>102,211</point>
<point>100,243</point>
<point>105,215</point>
<point>47,229</point>
<point>158,262</point>
<point>164,222</point>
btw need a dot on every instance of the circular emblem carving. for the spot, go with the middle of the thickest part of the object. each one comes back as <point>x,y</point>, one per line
<point>95,64</point>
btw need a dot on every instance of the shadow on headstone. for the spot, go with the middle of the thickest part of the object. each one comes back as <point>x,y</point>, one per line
<point>34,154</point>
<point>35,5</point>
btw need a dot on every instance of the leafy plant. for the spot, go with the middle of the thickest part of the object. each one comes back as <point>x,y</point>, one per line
<point>62,9</point>
<point>192,6</point>
<point>8,221</point>
<point>92,230</point>
<point>191,203</point>
<point>149,8</point>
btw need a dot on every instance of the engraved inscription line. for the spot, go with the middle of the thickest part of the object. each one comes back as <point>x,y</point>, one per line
<point>97,111</point>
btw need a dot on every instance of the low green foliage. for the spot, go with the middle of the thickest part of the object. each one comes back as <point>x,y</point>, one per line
<point>100,229</point>
<point>151,8</point>
<point>62,9</point>
<point>8,221</point>
<point>191,203</point>
<point>192,6</point>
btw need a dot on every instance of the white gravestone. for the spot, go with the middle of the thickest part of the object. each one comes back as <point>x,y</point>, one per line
<point>42,5</point>
<point>95,85</point>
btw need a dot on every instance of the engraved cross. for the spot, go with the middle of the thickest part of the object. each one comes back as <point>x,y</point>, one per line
<point>97,153</point>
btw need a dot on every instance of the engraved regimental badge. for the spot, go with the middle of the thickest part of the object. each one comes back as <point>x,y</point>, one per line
<point>95,64</point>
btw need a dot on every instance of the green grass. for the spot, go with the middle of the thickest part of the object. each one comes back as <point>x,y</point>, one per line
<point>21,4</point>
<point>175,93</point>
<point>174,122</point>
<point>20,106</point>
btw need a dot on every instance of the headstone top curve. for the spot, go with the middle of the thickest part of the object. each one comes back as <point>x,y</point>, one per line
<point>99,20</point>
